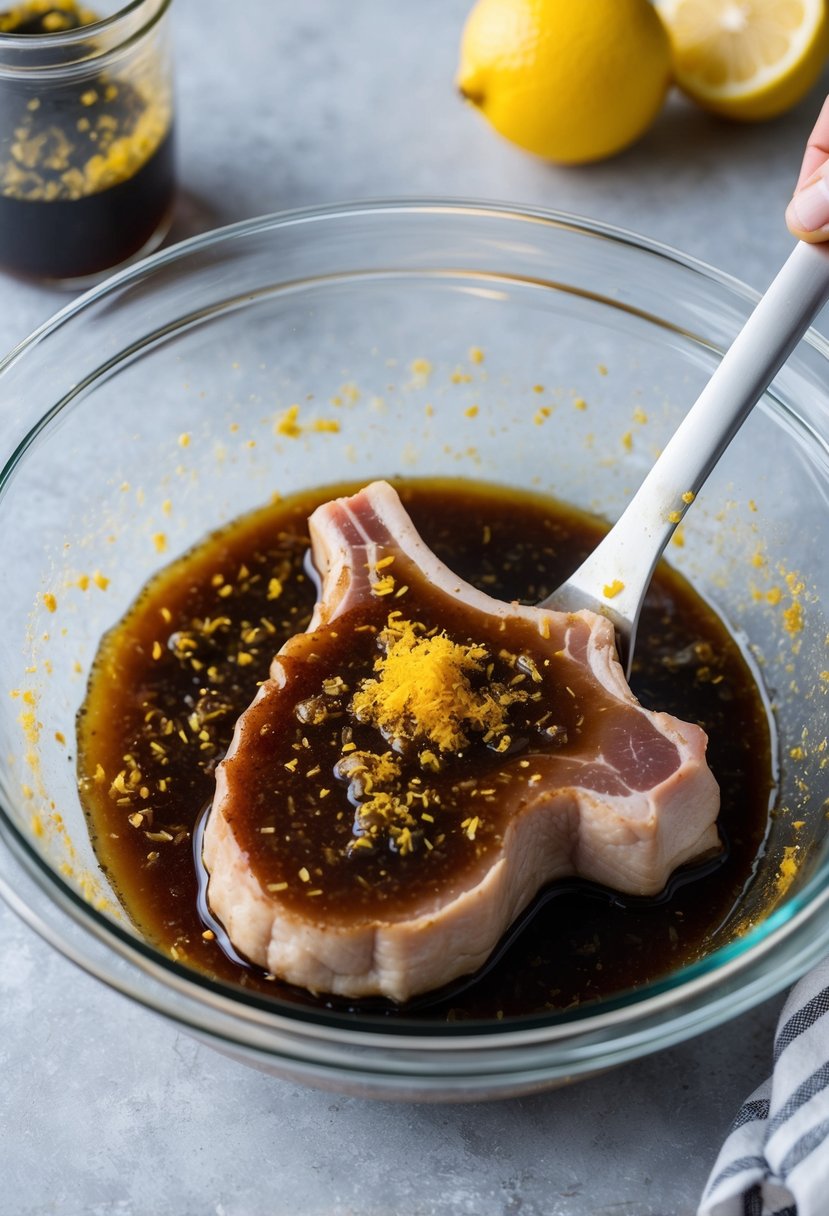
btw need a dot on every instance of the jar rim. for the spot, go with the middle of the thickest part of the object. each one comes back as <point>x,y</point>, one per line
<point>20,53</point>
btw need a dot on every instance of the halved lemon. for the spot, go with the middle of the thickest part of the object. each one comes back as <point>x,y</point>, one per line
<point>746,59</point>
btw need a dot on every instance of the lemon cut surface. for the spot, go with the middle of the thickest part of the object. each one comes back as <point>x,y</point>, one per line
<point>746,59</point>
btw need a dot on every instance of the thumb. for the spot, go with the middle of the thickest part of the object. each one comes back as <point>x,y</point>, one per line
<point>807,215</point>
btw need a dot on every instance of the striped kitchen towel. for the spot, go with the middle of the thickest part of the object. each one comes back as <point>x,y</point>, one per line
<point>775,1161</point>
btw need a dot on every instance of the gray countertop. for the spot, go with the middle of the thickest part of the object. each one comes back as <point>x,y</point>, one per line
<point>107,1109</point>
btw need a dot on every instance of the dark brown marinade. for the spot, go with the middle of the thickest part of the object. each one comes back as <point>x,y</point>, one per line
<point>75,238</point>
<point>173,676</point>
<point>305,826</point>
<point>86,169</point>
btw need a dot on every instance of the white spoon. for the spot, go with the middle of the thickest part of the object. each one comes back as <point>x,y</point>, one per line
<point>613,580</point>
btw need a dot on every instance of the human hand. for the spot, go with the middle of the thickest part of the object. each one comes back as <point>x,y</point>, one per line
<point>807,215</point>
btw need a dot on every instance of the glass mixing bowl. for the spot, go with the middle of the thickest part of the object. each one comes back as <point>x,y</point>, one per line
<point>148,407</point>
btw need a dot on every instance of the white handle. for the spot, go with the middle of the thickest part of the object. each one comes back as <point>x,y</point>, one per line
<point>630,551</point>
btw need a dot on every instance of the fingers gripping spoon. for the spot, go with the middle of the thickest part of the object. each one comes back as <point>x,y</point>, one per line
<point>614,579</point>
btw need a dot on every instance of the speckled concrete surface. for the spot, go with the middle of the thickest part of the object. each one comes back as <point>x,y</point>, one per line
<point>105,1108</point>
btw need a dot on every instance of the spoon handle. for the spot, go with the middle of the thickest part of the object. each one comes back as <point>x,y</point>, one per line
<point>616,575</point>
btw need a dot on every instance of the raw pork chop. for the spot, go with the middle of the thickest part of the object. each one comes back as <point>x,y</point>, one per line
<point>617,794</point>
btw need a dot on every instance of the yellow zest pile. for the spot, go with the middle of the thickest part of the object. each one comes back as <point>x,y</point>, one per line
<point>56,15</point>
<point>422,690</point>
<point>428,697</point>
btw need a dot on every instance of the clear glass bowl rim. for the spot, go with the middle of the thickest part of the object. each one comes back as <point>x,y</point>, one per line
<point>792,938</point>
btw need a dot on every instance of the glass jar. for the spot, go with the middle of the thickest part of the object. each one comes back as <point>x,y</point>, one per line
<point>86,135</point>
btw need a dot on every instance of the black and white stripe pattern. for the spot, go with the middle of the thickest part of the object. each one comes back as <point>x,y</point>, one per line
<point>775,1161</point>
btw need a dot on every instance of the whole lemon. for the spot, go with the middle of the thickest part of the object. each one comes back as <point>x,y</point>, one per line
<point>571,80</point>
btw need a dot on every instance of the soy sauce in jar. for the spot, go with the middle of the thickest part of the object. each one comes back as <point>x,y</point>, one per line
<point>86,137</point>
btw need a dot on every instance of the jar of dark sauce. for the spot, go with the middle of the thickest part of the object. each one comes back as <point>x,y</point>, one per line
<point>86,135</point>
